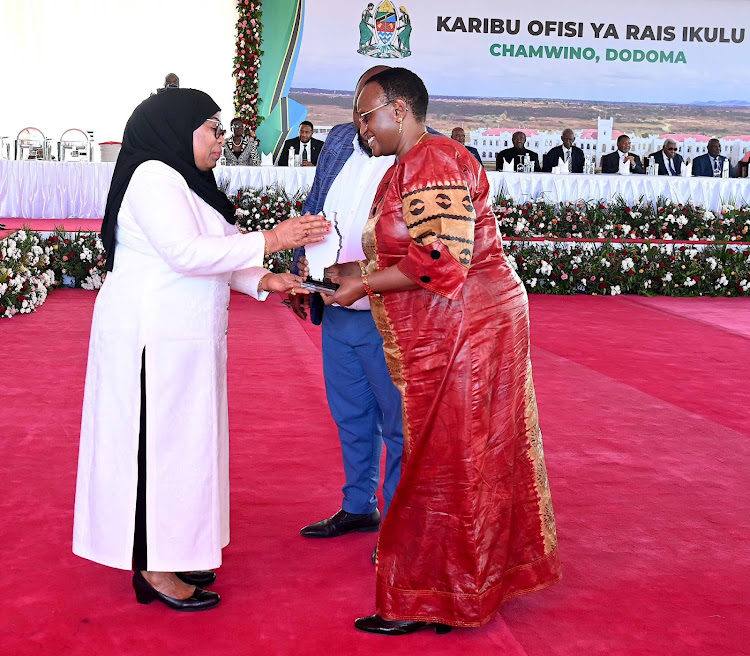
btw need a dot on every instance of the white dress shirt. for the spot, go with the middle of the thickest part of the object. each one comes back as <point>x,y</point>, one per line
<point>349,202</point>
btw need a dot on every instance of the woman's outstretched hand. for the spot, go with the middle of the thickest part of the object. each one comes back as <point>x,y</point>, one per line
<point>301,230</point>
<point>283,283</point>
<point>349,291</point>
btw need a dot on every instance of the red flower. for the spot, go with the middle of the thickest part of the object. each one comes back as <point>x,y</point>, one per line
<point>20,297</point>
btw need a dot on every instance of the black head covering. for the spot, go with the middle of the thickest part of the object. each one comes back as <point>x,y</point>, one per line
<point>161,128</point>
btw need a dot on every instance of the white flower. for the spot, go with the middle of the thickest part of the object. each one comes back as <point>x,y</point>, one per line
<point>615,290</point>
<point>627,264</point>
<point>546,268</point>
<point>668,277</point>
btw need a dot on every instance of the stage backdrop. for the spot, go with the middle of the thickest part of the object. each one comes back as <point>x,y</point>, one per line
<point>693,52</point>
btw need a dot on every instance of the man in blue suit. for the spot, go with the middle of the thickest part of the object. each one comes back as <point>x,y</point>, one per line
<point>364,402</point>
<point>711,164</point>
<point>668,159</point>
<point>459,135</point>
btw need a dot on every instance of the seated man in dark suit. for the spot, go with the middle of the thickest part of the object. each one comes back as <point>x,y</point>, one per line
<point>670,163</point>
<point>711,164</point>
<point>611,163</point>
<point>459,135</point>
<point>516,154</point>
<point>305,146</point>
<point>571,155</point>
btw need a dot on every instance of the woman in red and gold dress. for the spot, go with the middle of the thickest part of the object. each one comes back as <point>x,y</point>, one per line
<point>471,523</point>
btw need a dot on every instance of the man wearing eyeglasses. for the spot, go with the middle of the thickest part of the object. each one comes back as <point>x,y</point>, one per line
<point>669,160</point>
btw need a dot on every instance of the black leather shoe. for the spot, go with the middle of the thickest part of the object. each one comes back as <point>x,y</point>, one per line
<point>376,624</point>
<point>342,523</point>
<point>201,579</point>
<point>145,593</point>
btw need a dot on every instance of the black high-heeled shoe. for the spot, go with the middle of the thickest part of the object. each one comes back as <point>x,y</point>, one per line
<point>145,593</point>
<point>376,624</point>
<point>201,579</point>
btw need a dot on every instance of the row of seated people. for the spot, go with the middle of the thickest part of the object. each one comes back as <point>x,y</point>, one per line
<point>669,161</point>
<point>242,150</point>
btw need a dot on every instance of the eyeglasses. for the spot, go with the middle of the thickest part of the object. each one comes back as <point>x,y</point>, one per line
<point>672,150</point>
<point>219,132</point>
<point>363,115</point>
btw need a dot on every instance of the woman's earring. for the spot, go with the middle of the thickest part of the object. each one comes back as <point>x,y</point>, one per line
<point>401,126</point>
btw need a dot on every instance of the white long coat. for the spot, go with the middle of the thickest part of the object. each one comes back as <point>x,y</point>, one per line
<point>175,262</point>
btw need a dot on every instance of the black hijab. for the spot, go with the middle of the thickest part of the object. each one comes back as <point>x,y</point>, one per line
<point>161,128</point>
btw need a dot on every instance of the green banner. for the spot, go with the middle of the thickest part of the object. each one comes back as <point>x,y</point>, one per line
<point>282,35</point>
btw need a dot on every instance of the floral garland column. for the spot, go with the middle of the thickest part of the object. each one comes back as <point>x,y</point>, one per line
<point>247,62</point>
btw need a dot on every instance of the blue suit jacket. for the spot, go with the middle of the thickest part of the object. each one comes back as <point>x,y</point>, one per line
<point>702,166</point>
<point>474,152</point>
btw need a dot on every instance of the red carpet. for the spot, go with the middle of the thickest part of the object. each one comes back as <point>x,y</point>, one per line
<point>644,411</point>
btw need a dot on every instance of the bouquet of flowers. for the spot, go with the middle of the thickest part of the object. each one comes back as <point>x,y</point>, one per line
<point>79,257</point>
<point>24,273</point>
<point>263,209</point>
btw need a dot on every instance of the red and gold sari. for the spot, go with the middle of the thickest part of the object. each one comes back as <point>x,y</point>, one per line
<point>471,523</point>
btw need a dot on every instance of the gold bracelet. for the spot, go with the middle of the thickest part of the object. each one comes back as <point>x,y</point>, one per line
<point>368,289</point>
<point>262,278</point>
<point>362,267</point>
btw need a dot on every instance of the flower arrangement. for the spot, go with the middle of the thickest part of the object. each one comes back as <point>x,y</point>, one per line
<point>619,220</point>
<point>25,276</point>
<point>79,257</point>
<point>648,269</point>
<point>263,209</point>
<point>30,265</point>
<point>247,63</point>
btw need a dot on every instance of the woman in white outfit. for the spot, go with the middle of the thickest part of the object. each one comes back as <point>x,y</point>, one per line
<point>153,468</point>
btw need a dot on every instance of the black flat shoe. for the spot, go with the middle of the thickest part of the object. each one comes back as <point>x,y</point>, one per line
<point>376,624</point>
<point>342,523</point>
<point>201,579</point>
<point>145,593</point>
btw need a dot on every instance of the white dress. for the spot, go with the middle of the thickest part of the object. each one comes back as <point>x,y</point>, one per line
<point>175,262</point>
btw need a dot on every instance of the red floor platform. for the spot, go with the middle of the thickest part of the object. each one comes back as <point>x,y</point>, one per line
<point>643,405</point>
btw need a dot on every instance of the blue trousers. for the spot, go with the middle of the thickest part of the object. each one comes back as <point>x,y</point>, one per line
<point>364,403</point>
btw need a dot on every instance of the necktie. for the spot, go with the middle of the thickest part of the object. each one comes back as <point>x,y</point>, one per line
<point>671,168</point>
<point>717,170</point>
<point>568,160</point>
<point>304,153</point>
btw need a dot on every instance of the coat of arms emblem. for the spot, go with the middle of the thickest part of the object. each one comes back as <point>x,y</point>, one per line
<point>384,31</point>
